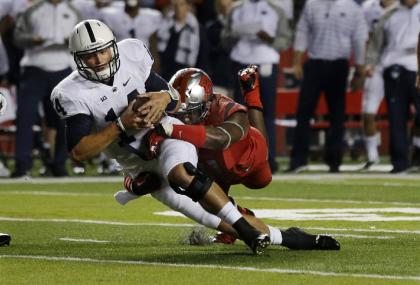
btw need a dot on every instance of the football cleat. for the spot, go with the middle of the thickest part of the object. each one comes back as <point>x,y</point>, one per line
<point>123,197</point>
<point>325,242</point>
<point>260,243</point>
<point>5,239</point>
<point>296,238</point>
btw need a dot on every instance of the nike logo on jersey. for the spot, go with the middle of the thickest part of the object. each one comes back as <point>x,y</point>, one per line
<point>125,83</point>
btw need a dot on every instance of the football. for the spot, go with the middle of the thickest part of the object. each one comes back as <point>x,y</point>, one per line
<point>139,101</point>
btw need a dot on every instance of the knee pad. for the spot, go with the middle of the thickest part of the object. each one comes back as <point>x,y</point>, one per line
<point>198,187</point>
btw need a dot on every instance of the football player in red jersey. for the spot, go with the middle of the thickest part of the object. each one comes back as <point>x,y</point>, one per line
<point>232,147</point>
<point>230,137</point>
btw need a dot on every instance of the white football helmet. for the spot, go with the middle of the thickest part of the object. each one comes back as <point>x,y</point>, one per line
<point>91,36</point>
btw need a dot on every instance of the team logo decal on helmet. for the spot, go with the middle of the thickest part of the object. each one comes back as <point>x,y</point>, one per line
<point>195,91</point>
<point>89,37</point>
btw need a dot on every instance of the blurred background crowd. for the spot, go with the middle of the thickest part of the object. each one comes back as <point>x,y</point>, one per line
<point>337,77</point>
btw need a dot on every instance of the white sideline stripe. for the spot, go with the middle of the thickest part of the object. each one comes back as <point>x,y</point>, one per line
<point>11,219</point>
<point>302,200</point>
<point>83,240</point>
<point>210,266</point>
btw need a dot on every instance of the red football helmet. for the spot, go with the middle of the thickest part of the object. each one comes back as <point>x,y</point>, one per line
<point>195,92</point>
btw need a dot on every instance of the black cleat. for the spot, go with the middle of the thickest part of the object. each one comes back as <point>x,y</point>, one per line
<point>296,238</point>
<point>324,242</point>
<point>261,242</point>
<point>5,239</point>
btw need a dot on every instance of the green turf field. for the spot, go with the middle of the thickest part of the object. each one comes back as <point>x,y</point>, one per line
<point>75,233</point>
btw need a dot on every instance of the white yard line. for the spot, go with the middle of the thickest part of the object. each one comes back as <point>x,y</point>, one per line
<point>211,266</point>
<point>99,222</point>
<point>83,240</point>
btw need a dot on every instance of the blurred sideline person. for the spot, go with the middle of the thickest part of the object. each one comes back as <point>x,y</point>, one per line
<point>182,41</point>
<point>394,47</point>
<point>256,32</point>
<point>134,21</point>
<point>94,9</point>
<point>46,62</point>
<point>330,31</point>
<point>230,150</point>
<point>96,102</point>
<point>220,68</point>
<point>373,91</point>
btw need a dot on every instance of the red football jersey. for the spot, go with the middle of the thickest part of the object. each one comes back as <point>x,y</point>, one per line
<point>244,158</point>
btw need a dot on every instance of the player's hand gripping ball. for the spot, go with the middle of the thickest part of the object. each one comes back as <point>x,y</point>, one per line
<point>140,101</point>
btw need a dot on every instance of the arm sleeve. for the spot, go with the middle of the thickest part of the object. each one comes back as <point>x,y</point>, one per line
<point>77,127</point>
<point>155,82</point>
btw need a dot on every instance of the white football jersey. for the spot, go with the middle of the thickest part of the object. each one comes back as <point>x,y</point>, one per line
<point>141,27</point>
<point>372,10</point>
<point>77,95</point>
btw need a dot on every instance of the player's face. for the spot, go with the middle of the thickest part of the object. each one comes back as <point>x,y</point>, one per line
<point>99,60</point>
<point>190,118</point>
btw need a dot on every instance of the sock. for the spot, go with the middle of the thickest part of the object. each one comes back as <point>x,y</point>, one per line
<point>275,235</point>
<point>229,213</point>
<point>246,232</point>
<point>372,143</point>
<point>416,141</point>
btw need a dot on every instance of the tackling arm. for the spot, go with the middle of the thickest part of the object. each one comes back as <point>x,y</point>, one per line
<point>222,136</point>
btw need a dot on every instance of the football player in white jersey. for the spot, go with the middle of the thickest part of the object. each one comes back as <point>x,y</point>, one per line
<point>133,21</point>
<point>96,102</point>
<point>373,92</point>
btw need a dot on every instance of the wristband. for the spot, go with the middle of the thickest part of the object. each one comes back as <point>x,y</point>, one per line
<point>120,125</point>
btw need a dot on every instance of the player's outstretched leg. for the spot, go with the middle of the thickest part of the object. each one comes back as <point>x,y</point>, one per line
<point>188,180</point>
